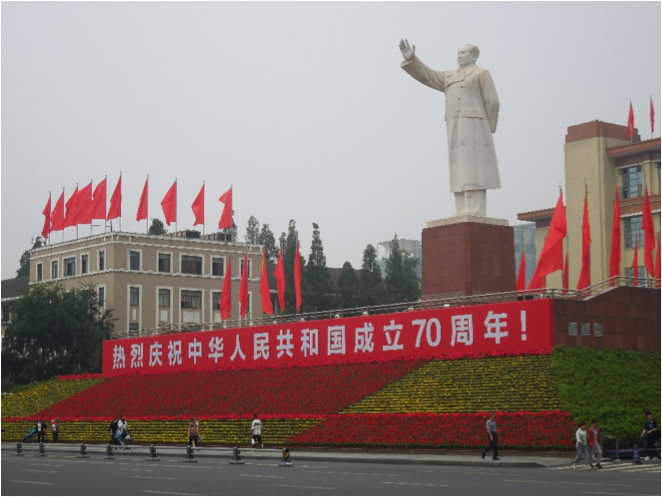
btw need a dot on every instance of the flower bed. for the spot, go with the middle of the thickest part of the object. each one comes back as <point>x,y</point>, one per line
<point>311,390</point>
<point>42,395</point>
<point>523,430</point>
<point>513,384</point>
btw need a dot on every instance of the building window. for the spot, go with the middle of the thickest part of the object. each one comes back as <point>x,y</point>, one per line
<point>191,299</point>
<point>191,264</point>
<point>164,297</point>
<point>6,313</point>
<point>134,260</point>
<point>629,273</point>
<point>102,260</point>
<point>70,266</point>
<point>40,271</point>
<point>102,296</point>
<point>54,267</point>
<point>216,300</point>
<point>164,263</point>
<point>133,330</point>
<point>84,263</point>
<point>632,230</point>
<point>134,296</point>
<point>631,180</point>
<point>250,267</point>
<point>217,266</point>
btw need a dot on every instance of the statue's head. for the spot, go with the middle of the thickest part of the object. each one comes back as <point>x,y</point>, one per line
<point>467,55</point>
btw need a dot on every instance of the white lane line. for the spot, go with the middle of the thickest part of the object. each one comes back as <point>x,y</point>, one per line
<point>38,471</point>
<point>168,493</point>
<point>33,482</point>
<point>413,484</point>
<point>610,493</point>
<point>306,486</point>
<point>152,477</point>
<point>263,476</point>
<point>572,483</point>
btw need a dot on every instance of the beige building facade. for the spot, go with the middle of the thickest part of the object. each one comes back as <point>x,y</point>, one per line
<point>599,157</point>
<point>153,282</point>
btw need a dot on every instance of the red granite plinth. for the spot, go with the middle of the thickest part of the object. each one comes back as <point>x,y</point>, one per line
<point>467,259</point>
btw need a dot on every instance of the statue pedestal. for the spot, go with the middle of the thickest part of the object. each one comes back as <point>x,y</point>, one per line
<point>467,255</point>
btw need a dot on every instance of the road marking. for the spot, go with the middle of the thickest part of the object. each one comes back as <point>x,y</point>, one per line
<point>413,484</point>
<point>572,483</point>
<point>38,470</point>
<point>263,476</point>
<point>33,482</point>
<point>610,493</point>
<point>152,477</point>
<point>169,493</point>
<point>307,486</point>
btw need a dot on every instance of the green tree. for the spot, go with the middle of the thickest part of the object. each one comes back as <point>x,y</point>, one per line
<point>24,262</point>
<point>371,282</point>
<point>54,332</point>
<point>349,287</point>
<point>319,296</point>
<point>401,278</point>
<point>288,264</point>
<point>157,227</point>
<point>252,235</point>
<point>267,239</point>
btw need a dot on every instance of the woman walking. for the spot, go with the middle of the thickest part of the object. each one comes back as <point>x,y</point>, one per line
<point>582,446</point>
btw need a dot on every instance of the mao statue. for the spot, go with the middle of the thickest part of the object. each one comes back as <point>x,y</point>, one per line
<point>472,110</point>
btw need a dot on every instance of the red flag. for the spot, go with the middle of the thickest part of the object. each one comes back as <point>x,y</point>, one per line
<point>630,133</point>
<point>551,257</point>
<point>243,289</point>
<point>70,214</point>
<point>615,255</point>
<point>57,216</point>
<point>657,264</point>
<point>169,205</point>
<point>652,116</point>
<point>566,272</point>
<point>585,273</point>
<point>297,277</point>
<point>46,230</point>
<point>521,274</point>
<point>267,306</point>
<point>142,206</point>
<point>226,217</point>
<point>198,207</point>
<point>98,207</point>
<point>83,205</point>
<point>115,209</point>
<point>279,273</point>
<point>635,260</point>
<point>649,234</point>
<point>226,300</point>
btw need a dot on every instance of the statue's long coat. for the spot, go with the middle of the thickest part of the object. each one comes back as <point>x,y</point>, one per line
<point>472,111</point>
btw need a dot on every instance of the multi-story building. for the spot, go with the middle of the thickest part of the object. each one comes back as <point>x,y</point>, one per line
<point>601,159</point>
<point>153,281</point>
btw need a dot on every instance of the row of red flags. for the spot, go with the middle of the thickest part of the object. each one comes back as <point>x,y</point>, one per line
<point>630,125</point>
<point>551,256</point>
<point>267,307</point>
<point>86,205</point>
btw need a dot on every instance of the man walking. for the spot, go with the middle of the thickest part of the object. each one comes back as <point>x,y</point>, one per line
<point>256,430</point>
<point>493,438</point>
<point>595,443</point>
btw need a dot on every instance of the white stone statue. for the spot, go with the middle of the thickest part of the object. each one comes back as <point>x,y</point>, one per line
<point>472,110</point>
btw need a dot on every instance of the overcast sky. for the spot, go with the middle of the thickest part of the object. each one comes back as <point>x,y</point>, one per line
<point>302,107</point>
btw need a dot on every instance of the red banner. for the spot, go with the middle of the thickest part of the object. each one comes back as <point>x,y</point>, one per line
<point>508,327</point>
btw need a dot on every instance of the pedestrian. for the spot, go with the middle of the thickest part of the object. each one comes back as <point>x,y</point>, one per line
<point>114,431</point>
<point>595,443</point>
<point>256,430</point>
<point>193,432</point>
<point>122,428</point>
<point>55,429</point>
<point>41,431</point>
<point>582,446</point>
<point>649,435</point>
<point>492,437</point>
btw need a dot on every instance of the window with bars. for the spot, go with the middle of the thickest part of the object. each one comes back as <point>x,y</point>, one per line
<point>191,264</point>
<point>191,299</point>
<point>84,263</point>
<point>217,266</point>
<point>134,260</point>
<point>70,266</point>
<point>40,272</point>
<point>164,263</point>
<point>631,181</point>
<point>134,296</point>
<point>632,230</point>
<point>164,297</point>
<point>102,296</point>
<point>102,260</point>
<point>629,273</point>
<point>54,269</point>
<point>216,300</point>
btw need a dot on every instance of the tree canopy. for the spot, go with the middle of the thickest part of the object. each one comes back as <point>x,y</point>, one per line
<point>252,235</point>
<point>401,278</point>
<point>372,285</point>
<point>54,332</point>
<point>319,288</point>
<point>267,239</point>
<point>24,262</point>
<point>349,287</point>
<point>157,227</point>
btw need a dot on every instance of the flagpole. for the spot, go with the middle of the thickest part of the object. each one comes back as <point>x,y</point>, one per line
<point>175,204</point>
<point>91,189</point>
<point>63,202</point>
<point>203,209</point>
<point>147,207</point>
<point>120,206</point>
<point>50,202</point>
<point>77,219</point>
<point>105,205</point>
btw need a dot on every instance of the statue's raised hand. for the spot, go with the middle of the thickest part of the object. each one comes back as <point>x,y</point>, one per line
<point>408,52</point>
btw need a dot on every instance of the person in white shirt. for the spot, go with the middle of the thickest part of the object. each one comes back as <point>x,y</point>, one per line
<point>582,446</point>
<point>123,430</point>
<point>256,430</point>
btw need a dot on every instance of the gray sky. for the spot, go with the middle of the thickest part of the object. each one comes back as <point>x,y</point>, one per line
<point>302,107</point>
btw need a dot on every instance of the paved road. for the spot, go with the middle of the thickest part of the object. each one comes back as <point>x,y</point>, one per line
<point>65,474</point>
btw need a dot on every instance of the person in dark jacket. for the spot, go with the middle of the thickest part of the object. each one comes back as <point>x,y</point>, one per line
<point>41,431</point>
<point>114,435</point>
<point>650,435</point>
